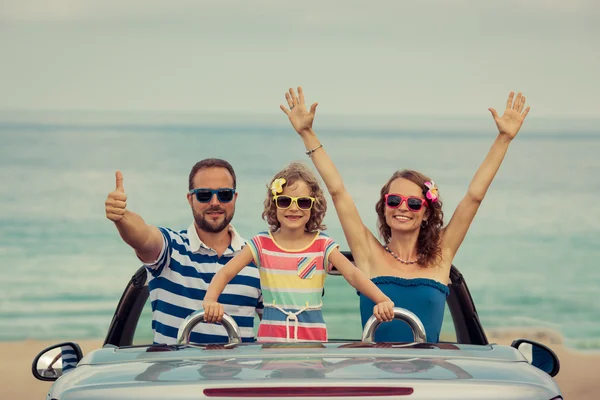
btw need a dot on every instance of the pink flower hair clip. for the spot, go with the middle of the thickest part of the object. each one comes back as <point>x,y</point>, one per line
<point>432,193</point>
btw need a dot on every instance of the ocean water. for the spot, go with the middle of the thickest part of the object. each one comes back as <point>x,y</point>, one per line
<point>530,258</point>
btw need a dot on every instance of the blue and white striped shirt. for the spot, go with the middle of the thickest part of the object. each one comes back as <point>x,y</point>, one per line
<point>178,281</point>
<point>69,358</point>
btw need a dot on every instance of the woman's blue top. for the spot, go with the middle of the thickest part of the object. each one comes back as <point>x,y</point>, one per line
<point>424,297</point>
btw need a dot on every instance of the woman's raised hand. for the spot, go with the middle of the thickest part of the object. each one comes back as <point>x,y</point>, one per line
<point>299,116</point>
<point>512,119</point>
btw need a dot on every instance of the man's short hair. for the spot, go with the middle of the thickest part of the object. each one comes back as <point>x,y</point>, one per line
<point>210,163</point>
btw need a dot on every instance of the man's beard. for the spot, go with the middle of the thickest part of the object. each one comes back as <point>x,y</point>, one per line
<point>205,225</point>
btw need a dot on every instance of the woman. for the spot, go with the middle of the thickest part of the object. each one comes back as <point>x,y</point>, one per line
<point>412,266</point>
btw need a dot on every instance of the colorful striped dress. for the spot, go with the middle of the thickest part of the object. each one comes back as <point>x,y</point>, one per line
<point>292,285</point>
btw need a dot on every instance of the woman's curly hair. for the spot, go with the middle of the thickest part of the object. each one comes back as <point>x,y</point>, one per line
<point>428,242</point>
<point>293,173</point>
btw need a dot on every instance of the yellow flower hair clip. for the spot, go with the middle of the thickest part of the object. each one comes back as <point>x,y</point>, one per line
<point>277,186</point>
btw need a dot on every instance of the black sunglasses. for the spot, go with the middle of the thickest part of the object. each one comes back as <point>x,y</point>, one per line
<point>225,195</point>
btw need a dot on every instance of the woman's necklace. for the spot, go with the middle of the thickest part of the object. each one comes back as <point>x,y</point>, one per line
<point>398,258</point>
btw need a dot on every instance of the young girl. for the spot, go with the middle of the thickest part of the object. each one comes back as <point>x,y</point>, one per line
<point>293,258</point>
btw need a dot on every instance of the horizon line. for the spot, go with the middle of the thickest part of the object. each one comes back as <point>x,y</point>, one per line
<point>221,113</point>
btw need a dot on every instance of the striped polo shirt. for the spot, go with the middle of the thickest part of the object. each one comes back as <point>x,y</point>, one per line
<point>292,282</point>
<point>69,358</point>
<point>178,281</point>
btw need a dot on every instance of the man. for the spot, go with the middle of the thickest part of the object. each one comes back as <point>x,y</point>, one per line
<point>182,264</point>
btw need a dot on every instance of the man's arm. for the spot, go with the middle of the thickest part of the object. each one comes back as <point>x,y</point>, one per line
<point>146,240</point>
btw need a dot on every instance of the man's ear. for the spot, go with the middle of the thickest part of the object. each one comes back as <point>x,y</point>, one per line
<point>189,199</point>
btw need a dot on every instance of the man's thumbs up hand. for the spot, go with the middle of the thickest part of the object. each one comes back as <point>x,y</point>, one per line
<point>116,203</point>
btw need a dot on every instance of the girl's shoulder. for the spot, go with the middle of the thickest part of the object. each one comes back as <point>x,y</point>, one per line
<point>262,235</point>
<point>324,243</point>
<point>261,238</point>
<point>322,234</point>
<point>323,237</point>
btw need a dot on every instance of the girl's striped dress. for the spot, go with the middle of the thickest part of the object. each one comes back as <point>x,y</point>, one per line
<point>292,285</point>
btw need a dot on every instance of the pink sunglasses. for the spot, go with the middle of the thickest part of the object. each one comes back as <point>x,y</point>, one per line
<point>413,203</point>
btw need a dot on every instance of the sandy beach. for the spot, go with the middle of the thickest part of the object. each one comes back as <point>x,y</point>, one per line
<point>576,378</point>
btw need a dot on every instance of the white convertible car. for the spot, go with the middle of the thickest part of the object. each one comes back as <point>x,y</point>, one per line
<point>467,368</point>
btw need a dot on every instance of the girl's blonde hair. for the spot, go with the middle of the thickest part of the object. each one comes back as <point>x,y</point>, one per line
<point>293,173</point>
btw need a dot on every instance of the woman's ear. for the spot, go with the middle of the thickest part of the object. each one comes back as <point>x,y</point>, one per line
<point>427,214</point>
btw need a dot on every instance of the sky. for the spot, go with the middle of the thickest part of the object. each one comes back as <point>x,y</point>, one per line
<point>368,57</point>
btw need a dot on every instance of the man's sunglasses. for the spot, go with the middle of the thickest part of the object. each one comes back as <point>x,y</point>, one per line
<point>225,195</point>
<point>413,203</point>
<point>285,202</point>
